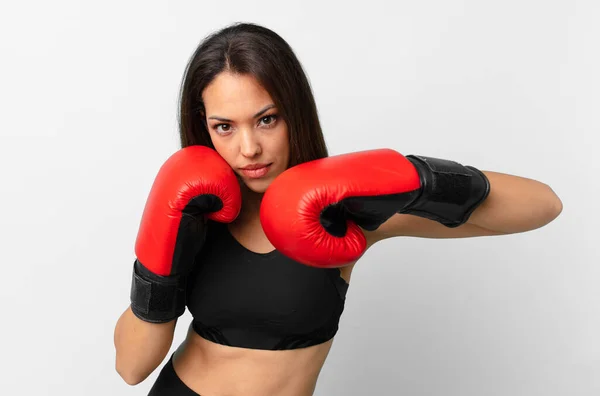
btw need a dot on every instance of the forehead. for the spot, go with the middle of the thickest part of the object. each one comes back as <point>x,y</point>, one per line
<point>234,94</point>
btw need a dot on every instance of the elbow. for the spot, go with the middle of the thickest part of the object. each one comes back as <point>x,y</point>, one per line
<point>551,210</point>
<point>556,207</point>
<point>129,376</point>
<point>543,213</point>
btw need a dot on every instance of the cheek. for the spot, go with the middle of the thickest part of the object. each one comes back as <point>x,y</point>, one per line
<point>283,145</point>
<point>224,151</point>
<point>285,152</point>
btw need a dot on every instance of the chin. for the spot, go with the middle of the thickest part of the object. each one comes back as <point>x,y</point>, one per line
<point>258,186</point>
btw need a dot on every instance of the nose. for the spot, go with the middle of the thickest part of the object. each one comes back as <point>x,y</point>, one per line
<point>249,143</point>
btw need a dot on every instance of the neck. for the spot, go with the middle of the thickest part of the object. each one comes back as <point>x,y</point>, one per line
<point>250,210</point>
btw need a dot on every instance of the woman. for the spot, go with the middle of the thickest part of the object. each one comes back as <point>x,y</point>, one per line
<point>263,322</point>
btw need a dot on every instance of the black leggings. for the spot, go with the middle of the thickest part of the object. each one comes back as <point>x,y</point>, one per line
<point>169,384</point>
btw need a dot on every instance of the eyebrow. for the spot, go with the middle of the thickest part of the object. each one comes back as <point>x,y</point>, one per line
<point>268,107</point>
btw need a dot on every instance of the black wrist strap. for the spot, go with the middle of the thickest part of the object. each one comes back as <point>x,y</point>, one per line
<point>155,298</point>
<point>450,191</point>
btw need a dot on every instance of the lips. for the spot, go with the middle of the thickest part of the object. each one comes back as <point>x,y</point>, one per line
<point>254,166</point>
<point>255,171</point>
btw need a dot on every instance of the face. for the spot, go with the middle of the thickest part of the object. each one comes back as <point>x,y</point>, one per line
<point>246,129</point>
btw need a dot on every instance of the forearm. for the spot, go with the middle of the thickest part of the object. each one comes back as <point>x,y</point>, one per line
<point>140,346</point>
<point>516,204</point>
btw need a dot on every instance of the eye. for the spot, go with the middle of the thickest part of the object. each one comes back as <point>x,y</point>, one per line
<point>269,120</point>
<point>222,128</point>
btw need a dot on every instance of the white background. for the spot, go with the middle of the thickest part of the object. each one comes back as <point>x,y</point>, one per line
<point>88,99</point>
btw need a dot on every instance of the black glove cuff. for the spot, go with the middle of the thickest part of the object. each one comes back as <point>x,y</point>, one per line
<point>155,298</point>
<point>450,191</point>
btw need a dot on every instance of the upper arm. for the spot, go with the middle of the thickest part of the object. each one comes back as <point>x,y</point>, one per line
<point>414,226</point>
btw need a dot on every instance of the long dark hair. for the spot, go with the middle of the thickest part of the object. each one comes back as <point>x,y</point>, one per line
<point>247,48</point>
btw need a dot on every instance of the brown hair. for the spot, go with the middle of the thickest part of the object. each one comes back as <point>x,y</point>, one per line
<point>247,48</point>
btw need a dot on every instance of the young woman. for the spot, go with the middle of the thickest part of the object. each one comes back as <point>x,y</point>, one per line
<point>264,318</point>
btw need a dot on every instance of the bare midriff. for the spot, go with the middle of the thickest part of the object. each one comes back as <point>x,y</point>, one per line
<point>213,369</point>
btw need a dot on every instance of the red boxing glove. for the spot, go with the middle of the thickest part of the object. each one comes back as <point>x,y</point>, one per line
<point>314,212</point>
<point>195,183</point>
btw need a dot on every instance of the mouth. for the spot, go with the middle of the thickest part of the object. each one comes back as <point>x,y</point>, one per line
<point>256,171</point>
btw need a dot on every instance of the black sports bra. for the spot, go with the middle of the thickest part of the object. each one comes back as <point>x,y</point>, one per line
<point>261,301</point>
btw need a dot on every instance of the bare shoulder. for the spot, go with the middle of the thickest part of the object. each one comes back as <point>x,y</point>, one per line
<point>346,270</point>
